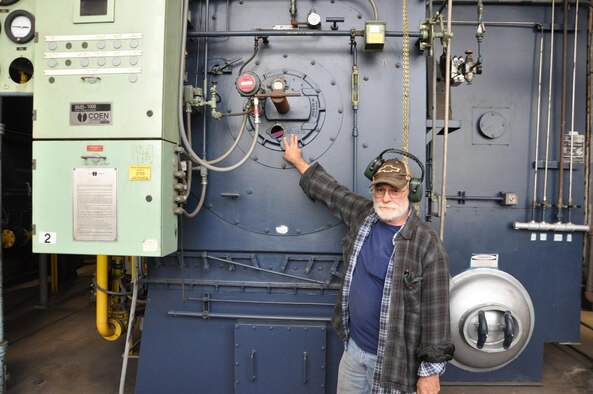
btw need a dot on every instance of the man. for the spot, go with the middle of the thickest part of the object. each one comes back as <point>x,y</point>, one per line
<point>393,309</point>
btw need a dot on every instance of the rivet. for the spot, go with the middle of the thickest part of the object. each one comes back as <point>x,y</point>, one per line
<point>365,78</point>
<point>365,145</point>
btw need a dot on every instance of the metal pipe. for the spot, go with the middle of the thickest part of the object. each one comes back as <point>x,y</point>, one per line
<point>259,302</point>
<point>264,270</point>
<point>588,200</point>
<point>559,201</point>
<point>443,201</point>
<point>558,227</point>
<point>355,101</point>
<point>430,159</point>
<point>54,272</point>
<point>289,33</point>
<point>293,13</point>
<point>545,191</point>
<point>3,343</point>
<point>205,86</point>
<point>537,123</point>
<point>207,315</point>
<point>574,77</point>
<point>43,291</point>
<point>106,330</point>
<point>244,284</point>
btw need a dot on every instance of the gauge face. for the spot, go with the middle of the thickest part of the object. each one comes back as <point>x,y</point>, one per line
<point>20,26</point>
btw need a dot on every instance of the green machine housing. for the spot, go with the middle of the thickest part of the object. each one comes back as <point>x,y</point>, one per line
<point>105,127</point>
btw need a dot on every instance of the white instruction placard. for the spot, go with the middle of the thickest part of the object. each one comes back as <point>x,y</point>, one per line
<point>94,207</point>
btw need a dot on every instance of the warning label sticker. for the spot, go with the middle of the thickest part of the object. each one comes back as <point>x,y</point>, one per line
<point>139,173</point>
<point>90,114</point>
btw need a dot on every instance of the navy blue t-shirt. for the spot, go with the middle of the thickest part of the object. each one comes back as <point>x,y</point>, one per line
<point>366,289</point>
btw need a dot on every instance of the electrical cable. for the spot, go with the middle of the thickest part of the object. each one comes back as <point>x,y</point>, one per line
<point>182,132</point>
<point>122,380</point>
<point>109,292</point>
<point>375,11</point>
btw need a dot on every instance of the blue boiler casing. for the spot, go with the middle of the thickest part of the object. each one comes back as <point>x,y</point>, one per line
<point>245,305</point>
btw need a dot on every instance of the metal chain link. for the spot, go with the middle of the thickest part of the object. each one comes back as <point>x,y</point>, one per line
<point>405,79</point>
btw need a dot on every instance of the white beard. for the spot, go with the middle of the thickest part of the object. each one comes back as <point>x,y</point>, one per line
<point>391,211</point>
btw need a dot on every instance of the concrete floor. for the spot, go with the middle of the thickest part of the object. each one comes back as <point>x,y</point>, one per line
<point>58,350</point>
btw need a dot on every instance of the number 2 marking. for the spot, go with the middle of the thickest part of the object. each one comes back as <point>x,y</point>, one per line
<point>47,237</point>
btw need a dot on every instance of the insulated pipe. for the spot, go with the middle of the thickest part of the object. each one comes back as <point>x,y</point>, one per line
<point>106,330</point>
<point>443,201</point>
<point>433,129</point>
<point>560,202</point>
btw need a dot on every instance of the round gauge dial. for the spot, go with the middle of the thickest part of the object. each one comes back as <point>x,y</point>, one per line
<point>20,26</point>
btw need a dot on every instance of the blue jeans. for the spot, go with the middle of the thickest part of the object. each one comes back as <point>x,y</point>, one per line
<point>355,374</point>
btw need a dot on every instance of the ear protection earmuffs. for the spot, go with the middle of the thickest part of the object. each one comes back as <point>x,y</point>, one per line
<point>416,189</point>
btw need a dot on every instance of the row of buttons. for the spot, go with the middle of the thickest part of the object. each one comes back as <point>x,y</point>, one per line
<point>101,61</point>
<point>101,44</point>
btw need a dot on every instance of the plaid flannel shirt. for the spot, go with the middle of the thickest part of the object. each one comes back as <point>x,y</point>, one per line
<point>414,323</point>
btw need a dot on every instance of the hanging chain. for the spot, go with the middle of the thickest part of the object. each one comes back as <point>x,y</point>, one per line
<point>405,79</point>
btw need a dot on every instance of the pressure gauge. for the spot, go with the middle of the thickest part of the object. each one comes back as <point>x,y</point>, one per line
<point>20,26</point>
<point>7,2</point>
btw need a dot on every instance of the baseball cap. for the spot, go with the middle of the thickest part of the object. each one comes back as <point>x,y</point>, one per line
<point>393,172</point>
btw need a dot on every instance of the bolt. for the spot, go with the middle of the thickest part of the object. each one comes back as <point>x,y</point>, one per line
<point>365,78</point>
<point>365,145</point>
<point>397,65</point>
<point>312,62</point>
<point>333,83</point>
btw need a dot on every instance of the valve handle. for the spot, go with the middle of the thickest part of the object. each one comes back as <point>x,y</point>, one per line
<point>509,332</point>
<point>482,329</point>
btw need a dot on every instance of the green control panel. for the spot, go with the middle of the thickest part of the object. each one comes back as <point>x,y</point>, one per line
<point>107,69</point>
<point>104,197</point>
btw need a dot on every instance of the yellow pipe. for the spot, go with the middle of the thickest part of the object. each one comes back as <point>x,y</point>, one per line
<point>107,330</point>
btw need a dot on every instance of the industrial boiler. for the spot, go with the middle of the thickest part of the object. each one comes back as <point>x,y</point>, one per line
<point>157,146</point>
